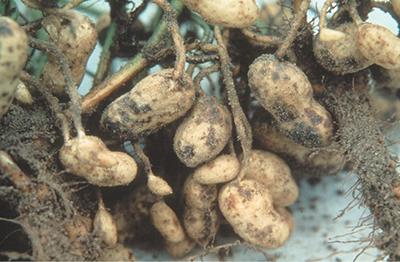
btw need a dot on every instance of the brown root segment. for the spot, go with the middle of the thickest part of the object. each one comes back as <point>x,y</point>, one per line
<point>361,139</point>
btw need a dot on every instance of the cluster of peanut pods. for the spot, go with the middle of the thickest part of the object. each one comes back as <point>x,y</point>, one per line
<point>291,123</point>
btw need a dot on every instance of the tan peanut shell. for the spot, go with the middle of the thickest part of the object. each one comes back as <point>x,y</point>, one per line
<point>166,222</point>
<point>105,227</point>
<point>379,44</point>
<point>219,170</point>
<point>199,195</point>
<point>13,56</point>
<point>284,90</point>
<point>343,56</point>
<point>117,253</point>
<point>204,132</point>
<point>226,13</point>
<point>396,7</point>
<point>76,36</point>
<point>275,174</point>
<point>121,173</point>
<point>248,207</point>
<point>155,101</point>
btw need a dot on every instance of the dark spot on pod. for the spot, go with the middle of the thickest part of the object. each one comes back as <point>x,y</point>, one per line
<point>282,114</point>
<point>314,117</point>
<point>304,135</point>
<point>5,94</point>
<point>10,49</point>
<point>5,30</point>
<point>275,76</point>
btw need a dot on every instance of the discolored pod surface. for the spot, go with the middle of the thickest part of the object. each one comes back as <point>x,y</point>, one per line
<point>204,132</point>
<point>76,36</point>
<point>108,175</point>
<point>343,56</point>
<point>13,56</point>
<point>219,170</point>
<point>155,101</point>
<point>198,195</point>
<point>226,13</point>
<point>248,207</point>
<point>201,225</point>
<point>379,44</point>
<point>275,174</point>
<point>302,160</point>
<point>284,90</point>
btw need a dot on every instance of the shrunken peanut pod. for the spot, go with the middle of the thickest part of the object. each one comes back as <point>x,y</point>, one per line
<point>166,222</point>
<point>155,101</point>
<point>343,56</point>
<point>219,170</point>
<point>379,44</point>
<point>273,172</point>
<point>248,207</point>
<point>76,36</point>
<point>284,90</point>
<point>226,13</point>
<point>204,132</point>
<point>97,164</point>
<point>201,217</point>
<point>13,56</point>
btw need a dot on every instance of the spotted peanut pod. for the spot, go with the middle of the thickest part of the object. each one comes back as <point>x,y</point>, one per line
<point>13,57</point>
<point>284,90</point>
<point>303,161</point>
<point>343,56</point>
<point>201,217</point>
<point>231,13</point>
<point>96,163</point>
<point>75,34</point>
<point>275,174</point>
<point>379,44</point>
<point>166,222</point>
<point>154,102</point>
<point>204,132</point>
<point>248,207</point>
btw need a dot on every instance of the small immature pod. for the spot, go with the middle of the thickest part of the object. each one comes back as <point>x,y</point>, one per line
<point>105,227</point>
<point>204,132</point>
<point>248,207</point>
<point>75,34</point>
<point>13,56</point>
<point>154,102</point>
<point>106,168</point>
<point>219,170</point>
<point>226,13</point>
<point>379,44</point>
<point>284,90</point>
<point>166,222</point>
<point>343,56</point>
<point>274,173</point>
